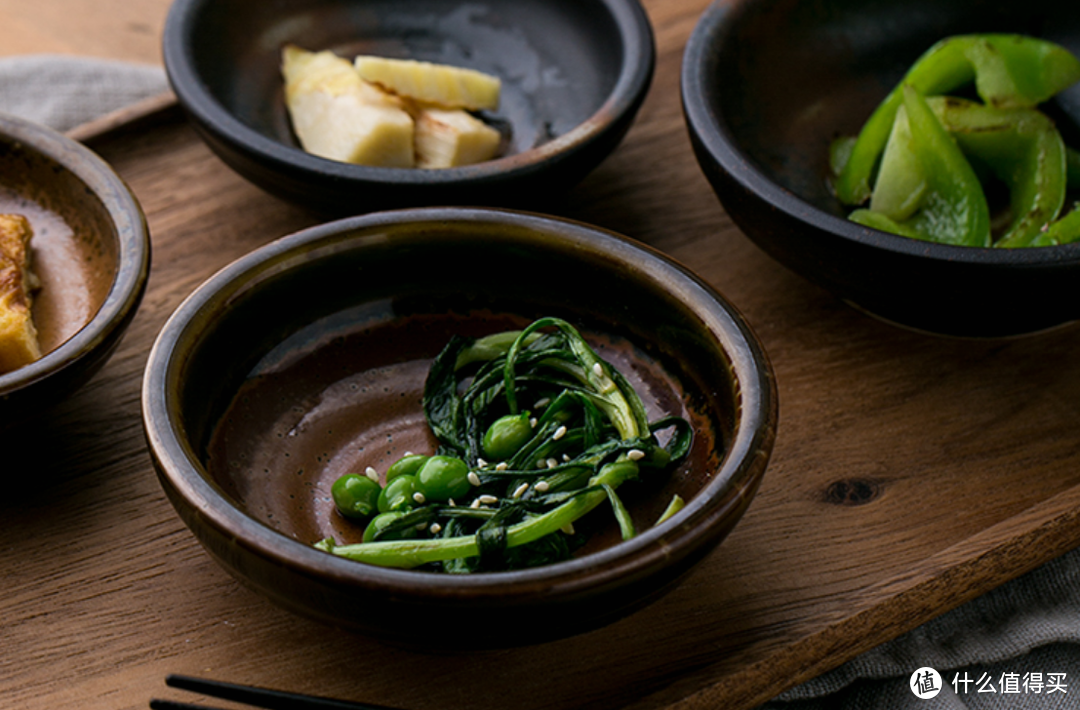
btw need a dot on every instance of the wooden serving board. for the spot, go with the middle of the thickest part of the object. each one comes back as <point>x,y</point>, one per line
<point>911,473</point>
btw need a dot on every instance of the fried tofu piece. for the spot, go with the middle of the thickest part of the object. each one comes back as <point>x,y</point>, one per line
<point>18,336</point>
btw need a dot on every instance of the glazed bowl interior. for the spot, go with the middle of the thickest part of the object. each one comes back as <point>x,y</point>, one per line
<point>90,251</point>
<point>573,74</point>
<point>769,84</point>
<point>307,360</point>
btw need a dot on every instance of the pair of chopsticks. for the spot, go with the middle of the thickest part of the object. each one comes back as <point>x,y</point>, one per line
<point>251,695</point>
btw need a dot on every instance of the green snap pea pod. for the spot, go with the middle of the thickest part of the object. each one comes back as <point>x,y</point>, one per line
<point>1008,71</point>
<point>1063,231</point>
<point>413,553</point>
<point>902,181</point>
<point>952,208</point>
<point>1023,149</point>
<point>1021,146</point>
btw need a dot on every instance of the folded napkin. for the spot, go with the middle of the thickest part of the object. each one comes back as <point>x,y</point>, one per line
<point>1015,648</point>
<point>62,91</point>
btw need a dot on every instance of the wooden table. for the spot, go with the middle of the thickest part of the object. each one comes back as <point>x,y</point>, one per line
<point>911,473</point>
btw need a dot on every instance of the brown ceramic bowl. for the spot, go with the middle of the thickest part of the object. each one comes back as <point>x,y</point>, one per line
<point>768,84</point>
<point>307,358</point>
<point>91,251</point>
<point>574,74</point>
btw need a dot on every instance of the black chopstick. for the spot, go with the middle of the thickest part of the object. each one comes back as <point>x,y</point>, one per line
<point>254,696</point>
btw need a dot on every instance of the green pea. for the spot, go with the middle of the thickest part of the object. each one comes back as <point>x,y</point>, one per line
<point>356,496</point>
<point>406,465</point>
<point>443,477</point>
<point>398,494</point>
<point>506,436</point>
<point>382,521</point>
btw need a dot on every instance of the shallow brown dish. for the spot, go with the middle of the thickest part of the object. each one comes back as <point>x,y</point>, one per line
<point>91,251</point>
<point>307,358</point>
<point>574,74</point>
<point>768,84</point>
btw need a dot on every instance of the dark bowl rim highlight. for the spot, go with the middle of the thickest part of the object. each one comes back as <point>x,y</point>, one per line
<point>629,559</point>
<point>133,249</point>
<point>711,131</point>
<point>635,76</point>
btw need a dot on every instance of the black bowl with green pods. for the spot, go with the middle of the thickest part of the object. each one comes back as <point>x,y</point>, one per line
<point>336,353</point>
<point>769,87</point>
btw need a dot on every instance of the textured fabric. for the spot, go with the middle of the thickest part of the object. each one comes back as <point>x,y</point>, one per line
<point>62,92</point>
<point>1025,630</point>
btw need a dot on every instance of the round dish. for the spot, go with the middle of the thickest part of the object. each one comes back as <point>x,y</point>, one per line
<point>90,250</point>
<point>574,74</point>
<point>767,85</point>
<point>371,299</point>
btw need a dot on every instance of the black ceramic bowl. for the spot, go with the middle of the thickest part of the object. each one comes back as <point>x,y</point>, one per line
<point>574,73</point>
<point>767,85</point>
<point>90,250</point>
<point>306,359</point>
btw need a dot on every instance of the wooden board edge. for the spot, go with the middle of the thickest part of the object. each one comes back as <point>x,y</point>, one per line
<point>156,108</point>
<point>945,580</point>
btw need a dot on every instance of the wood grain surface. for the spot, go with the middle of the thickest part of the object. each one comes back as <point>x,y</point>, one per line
<point>911,472</point>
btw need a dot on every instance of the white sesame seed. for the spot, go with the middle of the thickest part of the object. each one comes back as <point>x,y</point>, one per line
<point>635,454</point>
<point>435,528</point>
<point>473,478</point>
<point>568,528</point>
<point>487,499</point>
<point>551,463</point>
<point>598,369</point>
<point>450,502</point>
<point>541,486</point>
<point>475,503</point>
<point>371,473</point>
<point>481,463</point>
<point>566,457</point>
<point>418,497</point>
<point>559,433</point>
<point>520,490</point>
<point>542,402</point>
<point>532,422</point>
<point>407,453</point>
<point>502,466</point>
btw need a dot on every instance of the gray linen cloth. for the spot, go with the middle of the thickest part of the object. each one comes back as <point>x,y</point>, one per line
<point>1005,650</point>
<point>1015,648</point>
<point>63,91</point>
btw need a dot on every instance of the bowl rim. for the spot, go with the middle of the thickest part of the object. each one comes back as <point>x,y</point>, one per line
<point>753,434</point>
<point>635,75</point>
<point>133,249</point>
<point>711,131</point>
